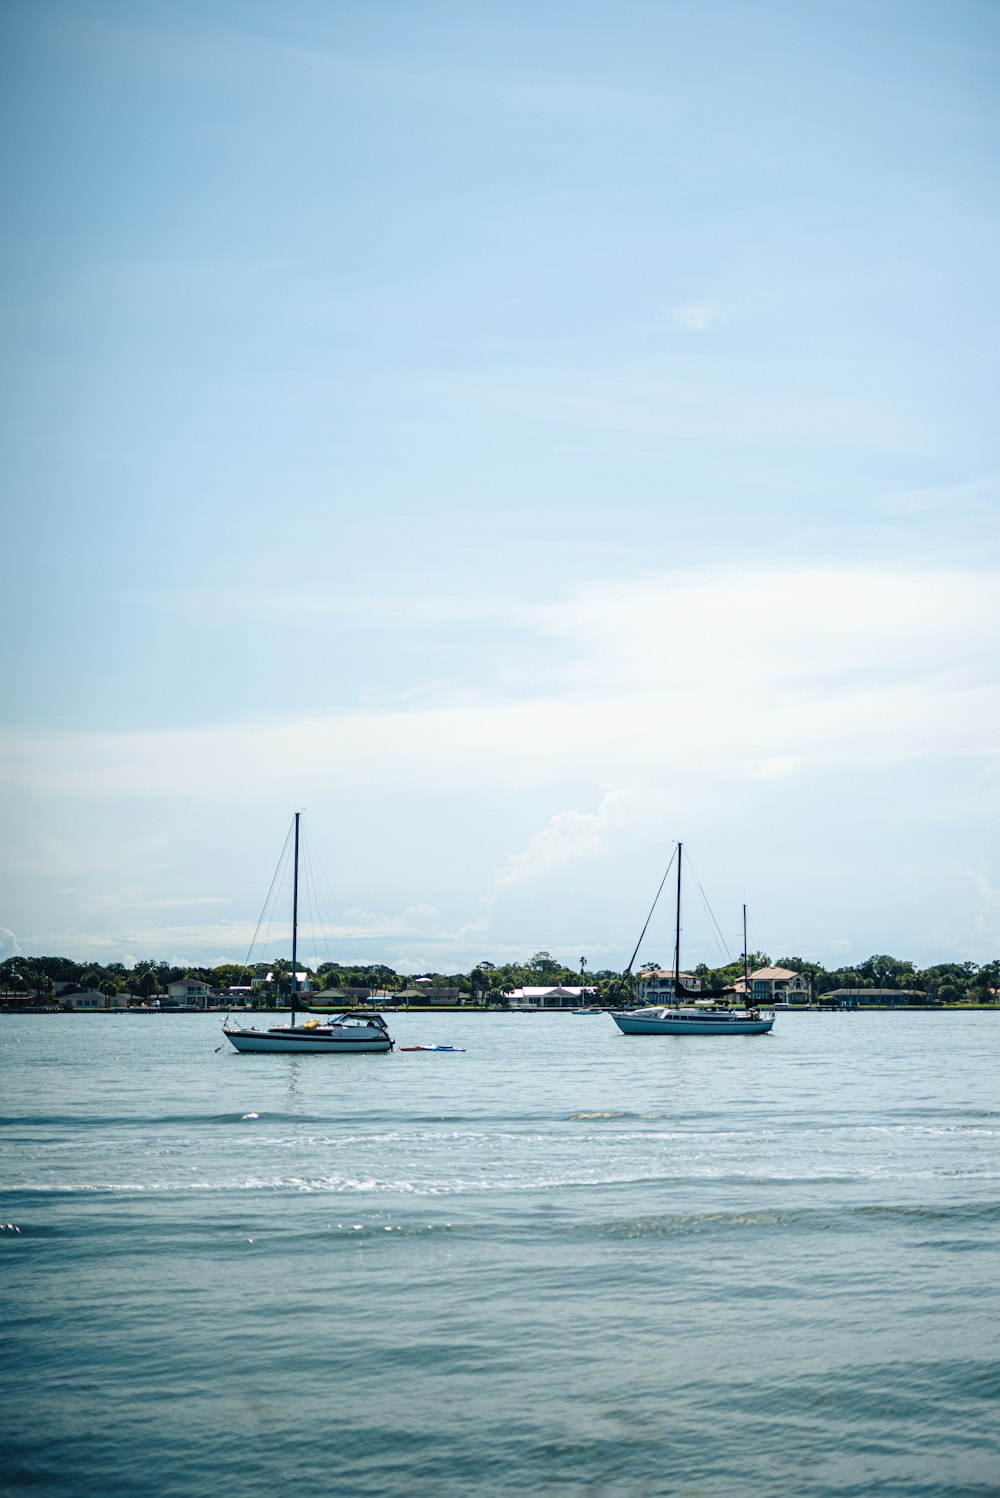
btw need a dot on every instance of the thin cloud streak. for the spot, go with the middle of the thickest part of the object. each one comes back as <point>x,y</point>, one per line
<point>831,667</point>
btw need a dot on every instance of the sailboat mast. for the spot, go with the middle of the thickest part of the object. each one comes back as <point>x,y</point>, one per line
<point>295,919</point>
<point>746,975</point>
<point>677,937</point>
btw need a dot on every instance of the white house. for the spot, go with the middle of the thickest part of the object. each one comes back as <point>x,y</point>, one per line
<point>303,982</point>
<point>94,1000</point>
<point>559,996</point>
<point>189,991</point>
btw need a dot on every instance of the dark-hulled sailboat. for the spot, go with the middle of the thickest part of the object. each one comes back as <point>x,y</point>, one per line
<point>695,1011</point>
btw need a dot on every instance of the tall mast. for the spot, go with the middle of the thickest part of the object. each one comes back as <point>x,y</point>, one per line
<point>295,919</point>
<point>746,975</point>
<point>677,939</point>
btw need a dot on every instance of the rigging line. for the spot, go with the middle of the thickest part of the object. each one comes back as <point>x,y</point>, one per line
<point>277,889</point>
<point>753,938</point>
<point>307,927</point>
<point>347,934</point>
<point>650,915</point>
<point>720,939</point>
<point>282,862</point>
<point>326,936</point>
<point>315,907</point>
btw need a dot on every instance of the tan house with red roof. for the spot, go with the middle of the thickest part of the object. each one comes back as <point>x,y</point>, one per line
<point>656,985</point>
<point>778,985</point>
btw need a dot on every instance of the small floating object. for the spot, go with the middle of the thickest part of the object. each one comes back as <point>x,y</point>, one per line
<point>432,1048</point>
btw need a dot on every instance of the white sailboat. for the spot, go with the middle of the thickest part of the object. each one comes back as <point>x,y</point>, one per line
<point>585,1008</point>
<point>694,1012</point>
<point>344,1034</point>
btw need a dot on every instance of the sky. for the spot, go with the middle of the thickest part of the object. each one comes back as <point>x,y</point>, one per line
<point>520,437</point>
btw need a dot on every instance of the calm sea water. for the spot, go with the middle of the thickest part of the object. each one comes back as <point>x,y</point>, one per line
<point>565,1261</point>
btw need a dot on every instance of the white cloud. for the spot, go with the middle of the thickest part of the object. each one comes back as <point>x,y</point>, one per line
<point>678,672</point>
<point>129,942</point>
<point>9,946</point>
<point>412,919</point>
<point>133,899</point>
<point>242,940</point>
<point>568,837</point>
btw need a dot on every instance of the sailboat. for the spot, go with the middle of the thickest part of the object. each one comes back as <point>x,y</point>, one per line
<point>345,1034</point>
<point>585,1007</point>
<point>695,1011</point>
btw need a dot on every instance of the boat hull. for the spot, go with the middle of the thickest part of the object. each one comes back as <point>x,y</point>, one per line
<point>289,1042</point>
<point>700,1024</point>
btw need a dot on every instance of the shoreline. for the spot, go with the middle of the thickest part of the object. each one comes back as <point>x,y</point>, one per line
<point>452,1009</point>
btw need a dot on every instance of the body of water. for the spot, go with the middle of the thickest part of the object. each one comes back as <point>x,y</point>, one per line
<point>563,1261</point>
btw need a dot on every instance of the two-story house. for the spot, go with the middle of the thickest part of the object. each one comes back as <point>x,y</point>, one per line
<point>777,985</point>
<point>656,985</point>
<point>187,992</point>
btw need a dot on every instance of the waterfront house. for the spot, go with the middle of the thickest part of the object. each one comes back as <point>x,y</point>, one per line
<point>93,1000</point>
<point>656,985</point>
<point>558,996</point>
<point>778,985</point>
<point>882,998</point>
<point>189,992</point>
<point>21,1001</point>
<point>428,993</point>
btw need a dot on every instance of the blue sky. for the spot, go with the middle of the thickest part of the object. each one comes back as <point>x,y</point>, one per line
<point>521,436</point>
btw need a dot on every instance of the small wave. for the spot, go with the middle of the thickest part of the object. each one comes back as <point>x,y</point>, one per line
<point>97,1122</point>
<point>889,1392</point>
<point>964,1212</point>
<point>610,1114</point>
<point>674,1224</point>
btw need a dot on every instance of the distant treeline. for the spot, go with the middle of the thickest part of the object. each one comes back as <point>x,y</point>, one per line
<point>944,983</point>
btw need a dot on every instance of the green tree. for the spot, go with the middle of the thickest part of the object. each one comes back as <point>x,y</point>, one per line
<point>228,975</point>
<point>613,988</point>
<point>986,988</point>
<point>845,977</point>
<point>146,978</point>
<point>957,977</point>
<point>544,969</point>
<point>888,972</point>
